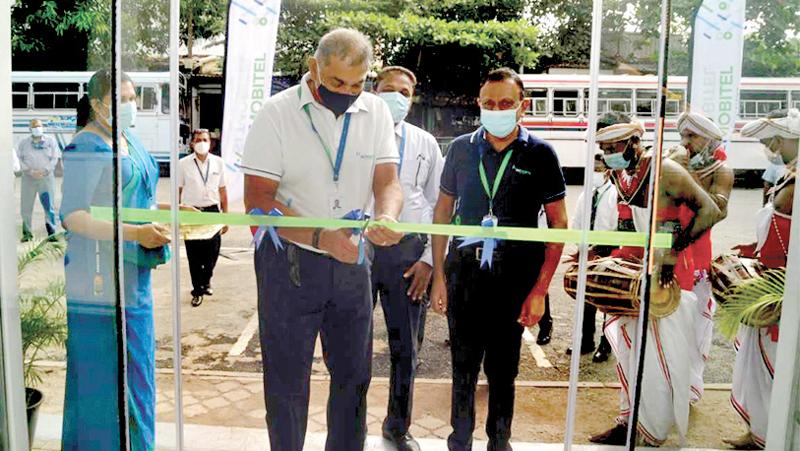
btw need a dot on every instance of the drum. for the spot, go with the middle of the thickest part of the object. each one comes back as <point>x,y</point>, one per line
<point>728,270</point>
<point>612,285</point>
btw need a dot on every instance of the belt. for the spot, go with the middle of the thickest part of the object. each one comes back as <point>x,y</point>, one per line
<point>476,253</point>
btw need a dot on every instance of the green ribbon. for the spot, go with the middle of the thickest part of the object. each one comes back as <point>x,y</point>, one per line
<point>603,238</point>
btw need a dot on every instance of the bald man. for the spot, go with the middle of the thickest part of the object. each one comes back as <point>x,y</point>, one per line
<point>38,155</point>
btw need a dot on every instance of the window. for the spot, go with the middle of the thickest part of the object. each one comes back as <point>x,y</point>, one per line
<point>646,102</point>
<point>565,102</point>
<point>676,99</point>
<point>796,99</point>
<point>164,98</point>
<point>619,100</point>
<point>146,99</point>
<point>753,104</point>
<point>538,98</point>
<point>49,96</point>
<point>19,96</point>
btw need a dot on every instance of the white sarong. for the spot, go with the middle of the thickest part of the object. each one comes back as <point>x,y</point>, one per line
<point>752,378</point>
<point>704,335</point>
<point>664,398</point>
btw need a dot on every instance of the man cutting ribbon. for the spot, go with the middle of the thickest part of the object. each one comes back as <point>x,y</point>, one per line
<point>498,175</point>
<point>330,148</point>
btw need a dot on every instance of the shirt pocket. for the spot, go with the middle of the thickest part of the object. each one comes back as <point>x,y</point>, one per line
<point>422,167</point>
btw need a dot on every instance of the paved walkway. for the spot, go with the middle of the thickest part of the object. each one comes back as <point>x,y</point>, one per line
<point>231,405</point>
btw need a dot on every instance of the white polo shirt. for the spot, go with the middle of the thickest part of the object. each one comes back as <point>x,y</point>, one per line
<point>283,146</point>
<point>201,180</point>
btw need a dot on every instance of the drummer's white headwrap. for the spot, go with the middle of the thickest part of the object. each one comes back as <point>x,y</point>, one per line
<point>619,132</point>
<point>699,125</point>
<point>785,127</point>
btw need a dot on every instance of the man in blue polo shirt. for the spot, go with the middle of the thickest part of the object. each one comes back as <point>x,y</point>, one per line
<point>498,175</point>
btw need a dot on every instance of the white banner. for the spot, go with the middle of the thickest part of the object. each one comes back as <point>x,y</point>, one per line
<point>249,56</point>
<point>717,61</point>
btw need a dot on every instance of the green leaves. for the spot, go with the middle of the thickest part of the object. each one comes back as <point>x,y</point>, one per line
<point>755,302</point>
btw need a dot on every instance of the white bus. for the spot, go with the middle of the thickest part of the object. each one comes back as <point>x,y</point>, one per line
<point>53,97</point>
<point>559,110</point>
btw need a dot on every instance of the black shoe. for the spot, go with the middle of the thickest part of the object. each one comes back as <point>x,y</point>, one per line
<point>603,351</point>
<point>544,335</point>
<point>586,348</point>
<point>208,291</point>
<point>196,301</point>
<point>403,442</point>
<point>617,436</point>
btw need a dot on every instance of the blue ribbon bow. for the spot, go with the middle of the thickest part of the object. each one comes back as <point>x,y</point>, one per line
<point>273,233</point>
<point>358,215</point>
<point>488,244</point>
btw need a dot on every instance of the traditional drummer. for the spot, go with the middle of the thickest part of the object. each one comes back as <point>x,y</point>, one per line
<point>753,369</point>
<point>664,399</point>
<point>705,158</point>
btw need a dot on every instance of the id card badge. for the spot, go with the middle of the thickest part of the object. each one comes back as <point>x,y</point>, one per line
<point>335,206</point>
<point>489,220</point>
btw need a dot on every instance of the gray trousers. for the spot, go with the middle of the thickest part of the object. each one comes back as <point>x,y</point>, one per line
<point>402,316</point>
<point>44,188</point>
<point>301,294</point>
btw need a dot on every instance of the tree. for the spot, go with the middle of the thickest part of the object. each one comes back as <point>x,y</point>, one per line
<point>450,44</point>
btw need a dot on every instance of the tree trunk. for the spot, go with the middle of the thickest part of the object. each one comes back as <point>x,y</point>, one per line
<point>190,33</point>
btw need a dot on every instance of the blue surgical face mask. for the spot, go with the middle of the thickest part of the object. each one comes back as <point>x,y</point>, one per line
<point>334,101</point>
<point>398,105</point>
<point>37,132</point>
<point>616,160</point>
<point>499,123</point>
<point>773,157</point>
<point>126,114</point>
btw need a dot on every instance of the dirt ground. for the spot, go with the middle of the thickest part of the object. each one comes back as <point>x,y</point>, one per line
<point>221,334</point>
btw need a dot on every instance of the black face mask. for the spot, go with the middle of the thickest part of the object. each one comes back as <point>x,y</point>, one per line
<point>334,101</point>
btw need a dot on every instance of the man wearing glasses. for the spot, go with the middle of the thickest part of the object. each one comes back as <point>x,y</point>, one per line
<point>498,175</point>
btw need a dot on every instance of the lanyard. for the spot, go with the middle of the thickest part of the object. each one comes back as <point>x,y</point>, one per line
<point>208,166</point>
<point>497,178</point>
<point>337,164</point>
<point>402,149</point>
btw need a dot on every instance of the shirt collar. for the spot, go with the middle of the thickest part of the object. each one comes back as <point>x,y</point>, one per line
<point>306,97</point>
<point>398,129</point>
<point>478,138</point>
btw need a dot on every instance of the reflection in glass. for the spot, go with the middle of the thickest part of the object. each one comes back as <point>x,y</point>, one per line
<point>92,412</point>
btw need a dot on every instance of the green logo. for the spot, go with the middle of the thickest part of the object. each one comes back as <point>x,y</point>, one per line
<point>521,171</point>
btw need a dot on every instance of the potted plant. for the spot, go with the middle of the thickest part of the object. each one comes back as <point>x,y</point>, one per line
<point>43,322</point>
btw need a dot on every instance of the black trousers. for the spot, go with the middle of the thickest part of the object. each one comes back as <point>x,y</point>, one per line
<point>203,255</point>
<point>483,308</point>
<point>402,315</point>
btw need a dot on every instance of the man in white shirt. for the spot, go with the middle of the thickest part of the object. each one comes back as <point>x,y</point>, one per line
<point>401,273</point>
<point>38,156</point>
<point>321,149</point>
<point>604,216</point>
<point>201,184</point>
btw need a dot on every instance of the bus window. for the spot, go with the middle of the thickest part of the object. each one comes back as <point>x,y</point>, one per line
<point>19,96</point>
<point>796,99</point>
<point>164,98</point>
<point>565,102</point>
<point>675,101</point>
<point>619,100</point>
<point>754,104</point>
<point>646,102</point>
<point>49,96</point>
<point>146,98</point>
<point>538,98</point>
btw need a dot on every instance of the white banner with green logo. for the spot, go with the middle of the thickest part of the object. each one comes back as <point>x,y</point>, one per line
<point>249,56</point>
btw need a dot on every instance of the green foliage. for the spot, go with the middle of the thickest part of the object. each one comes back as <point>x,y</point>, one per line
<point>754,302</point>
<point>43,320</point>
<point>450,44</point>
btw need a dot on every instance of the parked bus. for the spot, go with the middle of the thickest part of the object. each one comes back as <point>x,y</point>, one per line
<point>560,104</point>
<point>53,97</point>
